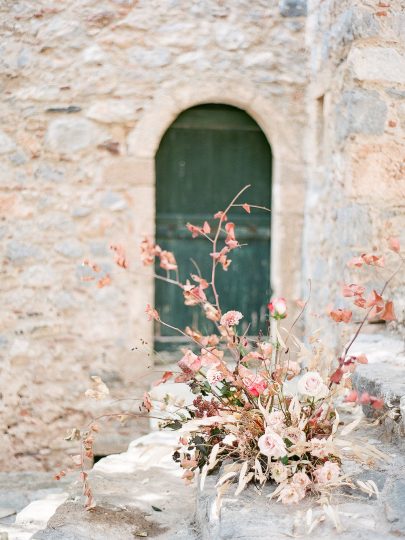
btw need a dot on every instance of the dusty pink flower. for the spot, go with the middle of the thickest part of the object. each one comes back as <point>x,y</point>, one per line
<point>321,447</point>
<point>272,445</point>
<point>278,308</point>
<point>266,349</point>
<point>193,295</point>
<point>311,384</point>
<point>152,313</point>
<point>291,494</point>
<point>214,376</point>
<point>210,356</point>
<point>329,472</point>
<point>231,318</point>
<point>301,479</point>
<point>167,261</point>
<point>211,312</point>
<point>276,421</point>
<point>255,383</point>
<point>190,361</point>
<point>294,434</point>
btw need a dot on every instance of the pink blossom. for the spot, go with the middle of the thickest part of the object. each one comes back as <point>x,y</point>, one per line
<point>190,361</point>
<point>294,434</point>
<point>301,479</point>
<point>320,447</point>
<point>255,383</point>
<point>152,313</point>
<point>193,295</point>
<point>210,356</point>
<point>211,312</point>
<point>214,376</point>
<point>266,349</point>
<point>272,445</point>
<point>291,494</point>
<point>329,472</point>
<point>311,384</point>
<point>231,318</point>
<point>276,421</point>
<point>278,308</point>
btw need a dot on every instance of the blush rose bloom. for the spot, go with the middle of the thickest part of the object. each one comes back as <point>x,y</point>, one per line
<point>275,421</point>
<point>301,479</point>
<point>292,493</point>
<point>272,445</point>
<point>311,384</point>
<point>329,472</point>
<point>321,448</point>
<point>278,308</point>
<point>231,318</point>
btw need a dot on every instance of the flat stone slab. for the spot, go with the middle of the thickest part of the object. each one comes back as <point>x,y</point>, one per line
<point>138,493</point>
<point>384,376</point>
<point>252,515</point>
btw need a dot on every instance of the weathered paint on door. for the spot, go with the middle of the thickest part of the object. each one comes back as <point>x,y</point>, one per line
<point>207,155</point>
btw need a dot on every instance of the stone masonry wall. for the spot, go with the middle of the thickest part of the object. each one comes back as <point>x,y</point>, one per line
<point>77,80</point>
<point>355,144</point>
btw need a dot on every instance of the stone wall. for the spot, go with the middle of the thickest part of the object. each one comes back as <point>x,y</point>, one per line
<point>88,88</point>
<point>356,142</point>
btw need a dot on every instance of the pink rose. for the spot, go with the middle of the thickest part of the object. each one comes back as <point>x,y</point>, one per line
<point>311,384</point>
<point>272,445</point>
<point>301,479</point>
<point>278,308</point>
<point>255,384</point>
<point>190,362</point>
<point>292,493</point>
<point>321,448</point>
<point>329,472</point>
<point>275,421</point>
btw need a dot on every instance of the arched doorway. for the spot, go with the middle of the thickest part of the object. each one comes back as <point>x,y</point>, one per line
<point>205,157</point>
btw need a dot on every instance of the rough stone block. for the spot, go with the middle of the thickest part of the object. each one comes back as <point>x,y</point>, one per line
<point>293,8</point>
<point>360,111</point>
<point>113,111</point>
<point>6,143</point>
<point>71,135</point>
<point>376,173</point>
<point>130,171</point>
<point>377,64</point>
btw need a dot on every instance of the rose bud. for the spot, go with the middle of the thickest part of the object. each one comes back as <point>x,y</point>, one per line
<point>278,308</point>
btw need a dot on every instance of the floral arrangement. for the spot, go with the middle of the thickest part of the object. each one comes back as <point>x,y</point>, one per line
<point>264,408</point>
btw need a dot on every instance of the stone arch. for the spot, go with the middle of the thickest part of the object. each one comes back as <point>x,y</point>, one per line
<point>288,170</point>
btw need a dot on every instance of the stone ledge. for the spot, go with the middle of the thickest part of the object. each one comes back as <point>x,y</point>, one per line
<point>252,515</point>
<point>384,376</point>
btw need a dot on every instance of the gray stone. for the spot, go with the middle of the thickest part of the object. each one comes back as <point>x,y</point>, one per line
<point>360,111</point>
<point>70,248</point>
<point>113,110</point>
<point>19,158</point>
<point>114,201</point>
<point>81,211</point>
<point>39,276</point>
<point>394,504</point>
<point>293,8</point>
<point>17,251</point>
<point>230,38</point>
<point>158,57</point>
<point>70,135</point>
<point>6,143</point>
<point>377,64</point>
<point>48,173</point>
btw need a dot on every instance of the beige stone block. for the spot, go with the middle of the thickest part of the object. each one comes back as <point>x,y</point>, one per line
<point>377,64</point>
<point>376,173</point>
<point>129,171</point>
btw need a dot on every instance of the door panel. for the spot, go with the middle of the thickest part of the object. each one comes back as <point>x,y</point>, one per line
<point>208,154</point>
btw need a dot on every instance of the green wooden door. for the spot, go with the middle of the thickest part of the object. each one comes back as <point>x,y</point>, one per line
<point>207,155</point>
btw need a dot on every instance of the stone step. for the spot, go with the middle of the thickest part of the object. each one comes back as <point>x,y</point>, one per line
<point>384,376</point>
<point>252,515</point>
<point>139,492</point>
